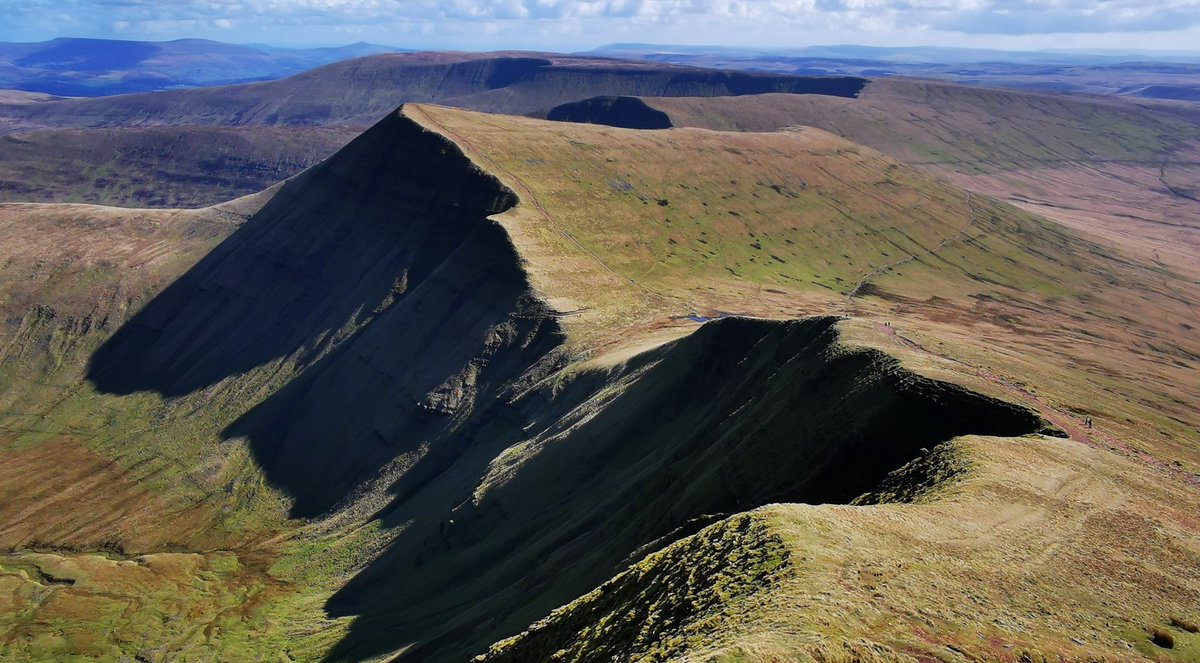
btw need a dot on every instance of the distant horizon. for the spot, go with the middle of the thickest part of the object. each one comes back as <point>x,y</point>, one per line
<point>649,46</point>
<point>581,25</point>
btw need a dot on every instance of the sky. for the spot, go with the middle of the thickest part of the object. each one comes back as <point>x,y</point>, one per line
<point>565,25</point>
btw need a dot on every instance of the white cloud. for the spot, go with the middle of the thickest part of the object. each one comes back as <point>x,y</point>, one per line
<point>753,22</point>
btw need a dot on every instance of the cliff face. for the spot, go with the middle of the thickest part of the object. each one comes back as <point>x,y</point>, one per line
<point>624,112</point>
<point>549,86</point>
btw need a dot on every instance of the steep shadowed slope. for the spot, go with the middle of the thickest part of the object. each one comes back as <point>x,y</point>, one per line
<point>627,112</point>
<point>611,464</point>
<point>375,276</point>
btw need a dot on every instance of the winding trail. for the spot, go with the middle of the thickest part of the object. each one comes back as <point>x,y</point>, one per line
<point>1179,193</point>
<point>862,283</point>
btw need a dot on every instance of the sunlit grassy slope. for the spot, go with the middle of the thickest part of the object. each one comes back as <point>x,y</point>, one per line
<point>372,422</point>
<point>1118,169</point>
<point>1029,556</point>
<point>691,221</point>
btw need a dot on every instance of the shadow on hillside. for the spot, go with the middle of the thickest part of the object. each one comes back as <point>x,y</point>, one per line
<point>318,261</point>
<point>623,112</point>
<point>348,321</point>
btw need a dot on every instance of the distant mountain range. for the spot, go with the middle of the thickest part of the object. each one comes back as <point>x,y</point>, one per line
<point>1147,74</point>
<point>911,54</point>
<point>99,67</point>
<point>73,67</point>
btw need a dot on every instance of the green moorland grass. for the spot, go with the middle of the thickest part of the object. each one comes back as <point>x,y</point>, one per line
<point>659,607</point>
<point>627,230</point>
<point>1009,303</point>
<point>1116,169</point>
<point>172,513</point>
<point>1026,556</point>
<point>684,221</point>
<point>968,129</point>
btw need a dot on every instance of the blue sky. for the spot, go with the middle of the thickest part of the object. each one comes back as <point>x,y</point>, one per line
<point>580,25</point>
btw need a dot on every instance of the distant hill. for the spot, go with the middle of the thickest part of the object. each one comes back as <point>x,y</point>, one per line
<point>1178,92</point>
<point>185,148</point>
<point>158,166</point>
<point>98,67</point>
<point>926,54</point>
<point>360,91</point>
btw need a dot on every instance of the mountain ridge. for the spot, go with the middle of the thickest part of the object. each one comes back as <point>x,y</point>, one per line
<point>430,395</point>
